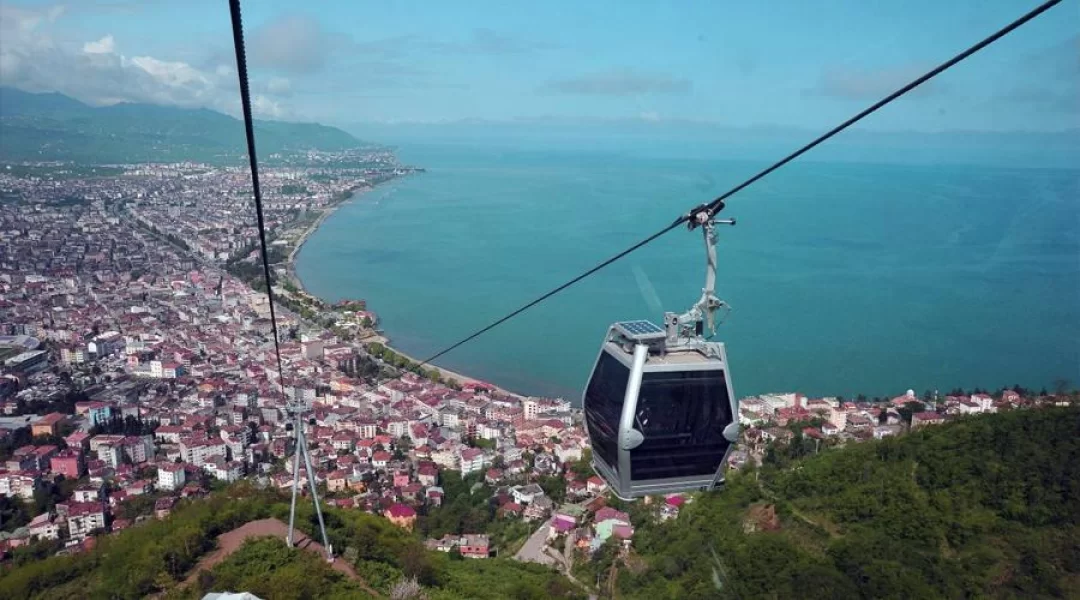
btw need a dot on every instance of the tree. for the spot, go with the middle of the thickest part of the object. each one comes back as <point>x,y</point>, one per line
<point>13,513</point>
<point>1061,387</point>
<point>583,466</point>
<point>909,409</point>
<point>554,488</point>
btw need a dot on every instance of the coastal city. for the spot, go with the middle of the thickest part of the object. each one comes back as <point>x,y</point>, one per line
<point>348,302</point>
<point>137,370</point>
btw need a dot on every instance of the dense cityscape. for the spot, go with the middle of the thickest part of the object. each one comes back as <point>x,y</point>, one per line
<point>138,371</point>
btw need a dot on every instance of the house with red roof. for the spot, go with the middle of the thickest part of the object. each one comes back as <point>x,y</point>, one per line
<point>79,440</point>
<point>471,460</point>
<point>428,474</point>
<point>84,517</point>
<point>163,506</point>
<point>595,485</point>
<point>922,419</point>
<point>576,489</point>
<point>380,459</point>
<point>337,481</point>
<point>412,491</point>
<point>511,509</point>
<point>48,425</point>
<point>68,463</point>
<point>474,545</point>
<point>434,495</point>
<point>561,524</point>
<point>493,476</point>
<point>401,515</point>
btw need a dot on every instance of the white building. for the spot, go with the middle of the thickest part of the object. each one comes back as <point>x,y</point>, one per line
<point>526,494</point>
<point>444,458</point>
<point>471,460</point>
<point>171,477</point>
<point>531,408</point>
<point>838,418</point>
<point>84,518</point>
<point>199,453</point>
<point>488,431</point>
<point>73,356</point>
<point>44,527</point>
<point>87,493</point>
<point>449,418</point>
<point>778,401</point>
<point>227,471</point>
<point>18,484</point>
<point>112,455</point>
<point>366,430</point>
<point>397,428</point>
<point>568,452</point>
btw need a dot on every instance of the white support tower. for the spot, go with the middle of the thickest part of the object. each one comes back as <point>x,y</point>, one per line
<point>296,409</point>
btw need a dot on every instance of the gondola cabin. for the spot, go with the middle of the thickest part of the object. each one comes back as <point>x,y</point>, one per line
<point>659,410</point>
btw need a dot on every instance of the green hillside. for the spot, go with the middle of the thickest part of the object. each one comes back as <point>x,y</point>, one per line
<point>157,557</point>
<point>47,127</point>
<point>988,507</point>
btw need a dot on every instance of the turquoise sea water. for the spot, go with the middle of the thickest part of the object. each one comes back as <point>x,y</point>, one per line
<point>845,278</point>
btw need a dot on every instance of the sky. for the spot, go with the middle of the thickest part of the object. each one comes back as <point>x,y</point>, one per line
<point>786,63</point>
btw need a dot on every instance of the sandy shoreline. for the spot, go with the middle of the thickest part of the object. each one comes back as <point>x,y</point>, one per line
<point>290,267</point>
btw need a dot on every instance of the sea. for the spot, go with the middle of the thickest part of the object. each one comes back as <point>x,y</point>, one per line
<point>844,275</point>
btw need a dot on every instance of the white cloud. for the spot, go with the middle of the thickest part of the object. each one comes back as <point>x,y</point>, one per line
<point>621,82</point>
<point>265,107</point>
<point>106,45</point>
<point>96,72</point>
<point>854,83</point>
<point>295,44</point>
<point>172,74</point>
<point>279,85</point>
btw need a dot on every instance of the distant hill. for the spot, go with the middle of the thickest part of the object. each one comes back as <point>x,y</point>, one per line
<point>53,126</point>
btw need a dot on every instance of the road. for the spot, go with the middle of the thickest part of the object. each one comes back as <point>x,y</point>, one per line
<point>533,550</point>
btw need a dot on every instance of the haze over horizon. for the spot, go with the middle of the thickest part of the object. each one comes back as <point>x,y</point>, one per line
<point>793,66</point>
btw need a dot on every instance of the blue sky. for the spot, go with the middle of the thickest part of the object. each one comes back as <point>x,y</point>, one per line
<point>785,63</point>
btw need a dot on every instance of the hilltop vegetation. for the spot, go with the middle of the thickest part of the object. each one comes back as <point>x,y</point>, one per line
<point>987,506</point>
<point>984,507</point>
<point>54,127</point>
<point>156,557</point>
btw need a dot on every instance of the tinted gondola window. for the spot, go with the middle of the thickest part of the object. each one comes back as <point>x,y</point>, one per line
<point>603,407</point>
<point>682,416</point>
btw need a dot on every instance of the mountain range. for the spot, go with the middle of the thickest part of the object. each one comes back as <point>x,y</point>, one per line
<point>52,126</point>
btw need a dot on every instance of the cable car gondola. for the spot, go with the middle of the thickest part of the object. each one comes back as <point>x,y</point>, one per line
<point>659,407</point>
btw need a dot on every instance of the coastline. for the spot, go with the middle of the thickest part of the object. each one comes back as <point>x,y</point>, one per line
<point>380,337</point>
<point>290,262</point>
